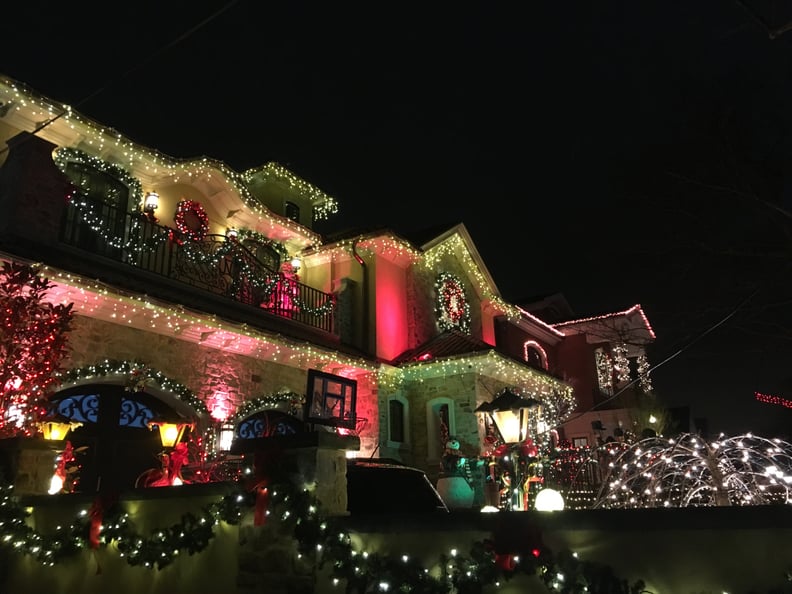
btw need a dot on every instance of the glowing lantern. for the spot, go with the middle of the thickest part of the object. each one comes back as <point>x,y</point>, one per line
<point>549,500</point>
<point>225,437</point>
<point>509,412</point>
<point>55,430</point>
<point>170,433</point>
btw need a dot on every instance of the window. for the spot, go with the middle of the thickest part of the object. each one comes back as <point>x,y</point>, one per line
<point>440,425</point>
<point>398,420</point>
<point>108,202</point>
<point>269,423</point>
<point>534,354</point>
<point>292,211</point>
<point>580,442</point>
<point>264,254</point>
<point>331,400</point>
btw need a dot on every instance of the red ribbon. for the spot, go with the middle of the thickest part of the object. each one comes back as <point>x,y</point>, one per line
<point>96,514</point>
<point>505,561</point>
<point>262,504</point>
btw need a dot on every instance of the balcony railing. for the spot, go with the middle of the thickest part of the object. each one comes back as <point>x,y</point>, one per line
<point>216,263</point>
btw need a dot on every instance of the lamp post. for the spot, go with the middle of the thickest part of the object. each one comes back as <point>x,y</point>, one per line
<point>170,433</point>
<point>509,414</point>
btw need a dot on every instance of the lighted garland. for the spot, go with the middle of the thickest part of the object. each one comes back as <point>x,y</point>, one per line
<point>452,308</point>
<point>137,156</point>
<point>195,209</point>
<point>621,365</point>
<point>317,537</point>
<point>604,371</point>
<point>63,156</point>
<point>248,234</point>
<point>323,205</point>
<point>249,407</point>
<point>138,374</point>
<point>644,381</point>
<point>156,550</point>
<point>196,251</point>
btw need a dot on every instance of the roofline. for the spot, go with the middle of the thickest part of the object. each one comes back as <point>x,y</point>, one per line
<point>635,309</point>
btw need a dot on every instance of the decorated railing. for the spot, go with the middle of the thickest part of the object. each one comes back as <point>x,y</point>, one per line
<point>214,263</point>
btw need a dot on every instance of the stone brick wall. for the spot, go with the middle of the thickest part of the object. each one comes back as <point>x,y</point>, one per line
<point>29,464</point>
<point>202,370</point>
<point>32,191</point>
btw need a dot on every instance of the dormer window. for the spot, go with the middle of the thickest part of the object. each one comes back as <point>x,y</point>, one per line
<point>292,211</point>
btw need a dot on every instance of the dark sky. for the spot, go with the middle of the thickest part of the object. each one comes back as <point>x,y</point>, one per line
<point>618,152</point>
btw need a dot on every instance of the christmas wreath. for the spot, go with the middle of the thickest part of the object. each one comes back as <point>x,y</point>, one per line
<point>191,220</point>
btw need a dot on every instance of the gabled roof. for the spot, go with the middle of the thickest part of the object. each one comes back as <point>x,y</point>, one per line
<point>631,321</point>
<point>449,343</point>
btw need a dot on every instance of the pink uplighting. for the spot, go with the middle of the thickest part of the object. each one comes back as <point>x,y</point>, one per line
<point>219,406</point>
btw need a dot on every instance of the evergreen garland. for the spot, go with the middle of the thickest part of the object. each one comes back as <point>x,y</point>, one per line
<point>138,373</point>
<point>320,539</point>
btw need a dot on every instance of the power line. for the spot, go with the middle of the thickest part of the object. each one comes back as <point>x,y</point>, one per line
<point>115,79</point>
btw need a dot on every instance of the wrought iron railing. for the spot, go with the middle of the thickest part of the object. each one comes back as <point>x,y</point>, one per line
<point>216,263</point>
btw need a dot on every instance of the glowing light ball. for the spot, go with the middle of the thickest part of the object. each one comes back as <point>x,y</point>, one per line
<point>549,500</point>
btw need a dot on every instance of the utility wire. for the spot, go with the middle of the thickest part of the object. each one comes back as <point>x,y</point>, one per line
<point>674,355</point>
<point>116,79</point>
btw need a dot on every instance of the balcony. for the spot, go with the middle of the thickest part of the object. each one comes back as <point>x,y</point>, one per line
<point>216,264</point>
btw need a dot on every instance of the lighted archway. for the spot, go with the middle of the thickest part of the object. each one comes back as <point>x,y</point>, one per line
<point>532,350</point>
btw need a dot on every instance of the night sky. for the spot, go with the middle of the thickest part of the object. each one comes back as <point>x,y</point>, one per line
<point>617,152</point>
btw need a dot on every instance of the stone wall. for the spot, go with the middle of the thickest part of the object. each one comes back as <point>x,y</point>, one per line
<point>202,370</point>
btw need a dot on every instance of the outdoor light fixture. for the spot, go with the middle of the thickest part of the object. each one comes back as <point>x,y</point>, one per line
<point>151,203</point>
<point>55,430</point>
<point>225,436</point>
<point>170,433</point>
<point>509,413</point>
<point>549,500</point>
<point>232,233</point>
<point>296,264</point>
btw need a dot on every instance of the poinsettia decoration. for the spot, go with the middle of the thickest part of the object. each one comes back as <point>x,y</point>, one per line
<point>452,308</point>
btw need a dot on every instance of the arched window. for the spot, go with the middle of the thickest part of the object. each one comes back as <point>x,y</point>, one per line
<point>440,425</point>
<point>115,432</point>
<point>264,253</point>
<point>269,423</point>
<point>104,195</point>
<point>534,354</point>
<point>398,421</point>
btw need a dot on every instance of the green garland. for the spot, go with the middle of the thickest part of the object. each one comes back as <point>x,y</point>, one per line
<point>138,374</point>
<point>294,400</point>
<point>156,550</point>
<point>317,537</point>
<point>65,155</point>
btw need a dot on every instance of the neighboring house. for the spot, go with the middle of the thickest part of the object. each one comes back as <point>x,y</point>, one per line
<point>208,289</point>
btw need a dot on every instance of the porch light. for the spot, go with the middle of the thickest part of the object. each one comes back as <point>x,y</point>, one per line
<point>56,430</point>
<point>170,433</point>
<point>296,264</point>
<point>225,437</point>
<point>232,233</point>
<point>151,202</point>
<point>509,413</point>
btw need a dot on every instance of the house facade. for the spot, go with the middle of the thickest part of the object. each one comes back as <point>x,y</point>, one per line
<point>207,292</point>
